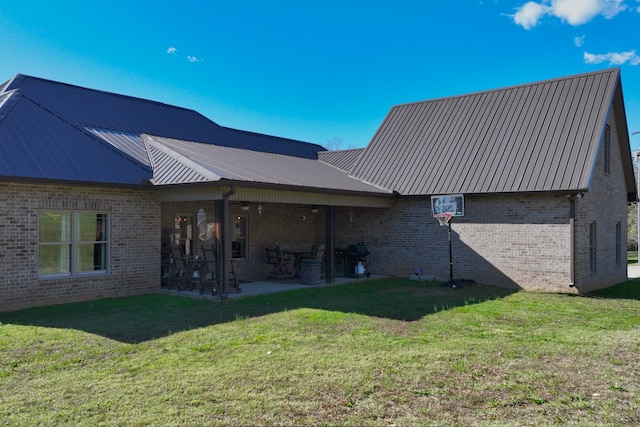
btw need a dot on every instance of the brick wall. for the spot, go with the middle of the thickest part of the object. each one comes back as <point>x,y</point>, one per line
<point>605,205</point>
<point>512,241</point>
<point>134,237</point>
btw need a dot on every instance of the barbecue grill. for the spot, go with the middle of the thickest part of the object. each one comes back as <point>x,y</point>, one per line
<point>356,260</point>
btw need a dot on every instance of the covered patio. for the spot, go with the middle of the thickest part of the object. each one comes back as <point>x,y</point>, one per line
<point>241,229</point>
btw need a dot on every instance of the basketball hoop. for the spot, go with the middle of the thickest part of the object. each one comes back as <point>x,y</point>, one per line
<point>443,218</point>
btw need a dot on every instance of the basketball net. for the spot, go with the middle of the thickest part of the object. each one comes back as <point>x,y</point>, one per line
<point>443,218</point>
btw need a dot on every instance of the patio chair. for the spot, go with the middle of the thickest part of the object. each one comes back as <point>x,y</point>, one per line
<point>280,266</point>
<point>209,270</point>
<point>179,269</point>
<point>319,252</point>
<point>234,283</point>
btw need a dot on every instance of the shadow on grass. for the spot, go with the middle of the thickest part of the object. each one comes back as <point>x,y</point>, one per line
<point>625,290</point>
<point>146,317</point>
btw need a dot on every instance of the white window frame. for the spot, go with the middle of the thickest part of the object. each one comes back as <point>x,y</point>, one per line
<point>73,261</point>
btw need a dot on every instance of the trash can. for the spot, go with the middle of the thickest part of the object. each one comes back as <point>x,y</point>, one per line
<point>311,271</point>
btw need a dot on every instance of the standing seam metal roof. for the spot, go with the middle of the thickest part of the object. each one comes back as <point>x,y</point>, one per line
<point>537,137</point>
<point>38,144</point>
<point>180,162</point>
<point>104,110</point>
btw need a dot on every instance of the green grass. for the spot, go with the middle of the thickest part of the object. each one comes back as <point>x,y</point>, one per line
<point>387,352</point>
<point>632,257</point>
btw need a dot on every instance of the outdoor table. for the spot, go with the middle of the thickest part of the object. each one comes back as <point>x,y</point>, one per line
<point>297,255</point>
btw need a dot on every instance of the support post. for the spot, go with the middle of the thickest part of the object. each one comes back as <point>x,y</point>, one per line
<point>330,233</point>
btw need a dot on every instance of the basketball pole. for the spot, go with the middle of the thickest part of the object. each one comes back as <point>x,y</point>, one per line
<point>450,254</point>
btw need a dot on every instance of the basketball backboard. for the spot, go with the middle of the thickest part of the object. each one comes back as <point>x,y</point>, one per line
<point>451,203</point>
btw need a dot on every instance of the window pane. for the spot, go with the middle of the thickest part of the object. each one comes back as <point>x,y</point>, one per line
<point>54,259</point>
<point>92,256</point>
<point>54,243</point>
<point>92,247</point>
<point>92,227</point>
<point>54,227</point>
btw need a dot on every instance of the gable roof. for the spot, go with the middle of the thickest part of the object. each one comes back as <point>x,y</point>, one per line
<point>542,136</point>
<point>43,121</point>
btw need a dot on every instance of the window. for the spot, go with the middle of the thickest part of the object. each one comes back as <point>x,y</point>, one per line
<point>72,243</point>
<point>239,236</point>
<point>592,247</point>
<point>607,149</point>
<point>618,243</point>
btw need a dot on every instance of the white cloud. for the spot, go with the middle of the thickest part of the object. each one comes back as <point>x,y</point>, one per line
<point>578,12</point>
<point>529,14</point>
<point>172,50</point>
<point>613,58</point>
<point>194,59</point>
<point>579,41</point>
<point>575,12</point>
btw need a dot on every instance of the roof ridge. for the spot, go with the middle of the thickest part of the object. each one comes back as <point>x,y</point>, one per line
<point>19,78</point>
<point>297,141</point>
<point>515,86</point>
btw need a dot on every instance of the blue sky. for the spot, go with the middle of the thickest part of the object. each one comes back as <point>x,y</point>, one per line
<point>317,71</point>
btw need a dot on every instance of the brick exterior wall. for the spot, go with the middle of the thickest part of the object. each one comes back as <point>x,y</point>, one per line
<point>513,241</point>
<point>134,266</point>
<point>605,204</point>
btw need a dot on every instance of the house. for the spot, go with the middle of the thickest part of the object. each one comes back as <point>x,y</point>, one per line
<point>97,185</point>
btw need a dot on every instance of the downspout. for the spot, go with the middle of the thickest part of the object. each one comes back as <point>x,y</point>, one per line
<point>572,239</point>
<point>225,253</point>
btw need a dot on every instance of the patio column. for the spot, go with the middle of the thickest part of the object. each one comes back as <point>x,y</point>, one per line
<point>330,259</point>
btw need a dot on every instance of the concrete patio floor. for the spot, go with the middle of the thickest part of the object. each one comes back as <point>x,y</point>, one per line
<point>254,288</point>
<point>262,287</point>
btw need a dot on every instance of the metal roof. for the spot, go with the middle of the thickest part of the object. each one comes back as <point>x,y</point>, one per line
<point>104,110</point>
<point>37,144</point>
<point>341,159</point>
<point>180,162</point>
<point>541,136</point>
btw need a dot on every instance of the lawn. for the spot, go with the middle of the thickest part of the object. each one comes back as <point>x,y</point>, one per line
<point>386,352</point>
